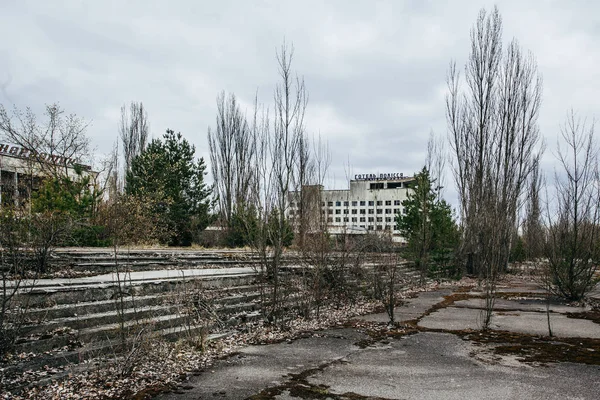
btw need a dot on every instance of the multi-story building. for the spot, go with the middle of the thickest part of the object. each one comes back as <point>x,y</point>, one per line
<point>23,170</point>
<point>370,204</point>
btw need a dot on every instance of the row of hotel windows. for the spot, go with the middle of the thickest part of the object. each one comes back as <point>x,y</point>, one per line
<point>361,219</point>
<point>356,203</point>
<point>361,211</point>
<point>379,227</point>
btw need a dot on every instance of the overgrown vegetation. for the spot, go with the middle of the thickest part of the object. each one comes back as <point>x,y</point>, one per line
<point>167,175</point>
<point>428,226</point>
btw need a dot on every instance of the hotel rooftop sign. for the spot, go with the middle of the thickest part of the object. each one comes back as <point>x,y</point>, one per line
<point>379,177</point>
<point>24,153</point>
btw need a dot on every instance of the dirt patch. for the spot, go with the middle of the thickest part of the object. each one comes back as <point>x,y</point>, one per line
<point>526,348</point>
<point>589,315</point>
<point>537,349</point>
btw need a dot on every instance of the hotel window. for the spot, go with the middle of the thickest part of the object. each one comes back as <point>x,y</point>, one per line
<point>338,203</point>
<point>329,219</point>
<point>362,219</point>
<point>371,211</point>
<point>345,211</point>
<point>337,219</point>
<point>396,202</point>
<point>371,219</point>
<point>338,211</point>
<point>370,227</point>
<point>346,204</point>
<point>379,202</point>
<point>362,203</point>
<point>362,211</point>
<point>379,211</point>
<point>388,219</point>
<point>329,211</point>
<point>345,219</point>
<point>354,211</point>
<point>354,203</point>
<point>379,227</point>
<point>379,219</point>
<point>353,219</point>
<point>330,203</point>
<point>371,203</point>
<point>388,202</point>
<point>396,211</point>
<point>388,210</point>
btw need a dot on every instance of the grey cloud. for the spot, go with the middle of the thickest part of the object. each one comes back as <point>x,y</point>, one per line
<point>375,70</point>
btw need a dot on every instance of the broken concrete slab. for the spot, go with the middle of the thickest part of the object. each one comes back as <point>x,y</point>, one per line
<point>533,323</point>
<point>411,308</point>
<point>523,304</point>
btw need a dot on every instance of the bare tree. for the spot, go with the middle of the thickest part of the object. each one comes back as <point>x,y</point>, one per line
<point>494,136</point>
<point>533,231</point>
<point>133,131</point>
<point>303,177</point>
<point>54,146</point>
<point>311,226</point>
<point>435,162</point>
<point>13,269</point>
<point>232,152</point>
<point>277,135</point>
<point>573,249</point>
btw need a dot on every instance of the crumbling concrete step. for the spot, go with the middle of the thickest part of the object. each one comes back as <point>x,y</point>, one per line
<point>219,296</point>
<point>109,325</point>
<point>65,294</point>
<point>84,308</point>
<point>100,318</point>
<point>99,333</point>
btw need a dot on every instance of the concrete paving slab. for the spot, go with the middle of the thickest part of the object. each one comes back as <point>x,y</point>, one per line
<point>535,323</point>
<point>412,308</point>
<point>259,367</point>
<point>537,305</point>
<point>438,366</point>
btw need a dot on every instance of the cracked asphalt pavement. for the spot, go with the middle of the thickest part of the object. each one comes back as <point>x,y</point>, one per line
<point>425,364</point>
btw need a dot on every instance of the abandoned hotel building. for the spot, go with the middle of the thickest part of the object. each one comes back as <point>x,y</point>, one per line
<point>370,204</point>
<point>23,170</point>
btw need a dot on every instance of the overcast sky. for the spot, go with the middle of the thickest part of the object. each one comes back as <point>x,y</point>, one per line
<point>375,70</point>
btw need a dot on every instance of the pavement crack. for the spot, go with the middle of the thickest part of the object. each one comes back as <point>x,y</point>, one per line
<point>297,385</point>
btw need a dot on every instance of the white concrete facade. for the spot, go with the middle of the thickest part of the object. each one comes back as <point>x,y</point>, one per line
<point>371,204</point>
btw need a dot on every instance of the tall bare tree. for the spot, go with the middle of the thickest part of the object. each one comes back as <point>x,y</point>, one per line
<point>435,162</point>
<point>533,230</point>
<point>277,133</point>
<point>133,131</point>
<point>232,151</point>
<point>573,249</point>
<point>494,136</point>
